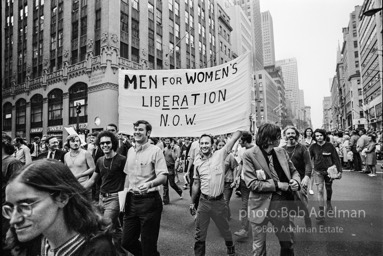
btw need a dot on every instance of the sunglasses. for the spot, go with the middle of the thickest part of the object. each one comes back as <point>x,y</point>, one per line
<point>105,142</point>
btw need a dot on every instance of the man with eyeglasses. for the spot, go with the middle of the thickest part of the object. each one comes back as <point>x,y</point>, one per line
<point>209,180</point>
<point>110,169</point>
<point>272,179</point>
<point>324,155</point>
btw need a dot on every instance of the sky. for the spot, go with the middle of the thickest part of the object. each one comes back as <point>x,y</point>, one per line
<point>310,31</point>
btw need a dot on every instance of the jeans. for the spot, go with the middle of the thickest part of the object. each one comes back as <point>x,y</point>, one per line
<point>110,208</point>
<point>245,192</point>
<point>170,180</point>
<point>217,211</point>
<point>227,192</point>
<point>142,218</point>
<point>281,228</point>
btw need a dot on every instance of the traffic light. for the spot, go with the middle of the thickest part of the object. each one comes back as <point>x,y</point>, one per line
<point>78,108</point>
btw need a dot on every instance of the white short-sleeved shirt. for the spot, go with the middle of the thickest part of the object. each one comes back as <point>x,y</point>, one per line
<point>211,172</point>
<point>144,163</point>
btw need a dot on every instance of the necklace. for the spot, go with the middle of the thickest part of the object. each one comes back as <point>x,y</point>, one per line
<point>73,157</point>
<point>292,153</point>
<point>111,163</point>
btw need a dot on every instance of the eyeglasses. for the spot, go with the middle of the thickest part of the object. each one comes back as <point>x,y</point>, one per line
<point>24,209</point>
<point>105,142</point>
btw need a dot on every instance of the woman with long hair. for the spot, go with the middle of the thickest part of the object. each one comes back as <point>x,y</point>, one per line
<point>45,202</point>
<point>308,141</point>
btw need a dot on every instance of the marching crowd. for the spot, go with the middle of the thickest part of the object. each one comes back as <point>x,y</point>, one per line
<point>65,199</point>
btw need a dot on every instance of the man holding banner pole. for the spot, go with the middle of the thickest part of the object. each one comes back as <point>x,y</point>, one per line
<point>209,178</point>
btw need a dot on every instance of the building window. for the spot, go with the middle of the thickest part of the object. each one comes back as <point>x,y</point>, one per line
<point>158,42</point>
<point>124,22</point>
<point>74,30</point>
<point>135,4</point>
<point>124,50</point>
<point>78,93</point>
<point>7,116</point>
<point>21,106</point>
<point>98,19</point>
<point>55,107</point>
<point>84,25</point>
<point>37,111</point>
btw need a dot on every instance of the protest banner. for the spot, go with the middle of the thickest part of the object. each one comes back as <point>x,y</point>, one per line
<point>187,102</point>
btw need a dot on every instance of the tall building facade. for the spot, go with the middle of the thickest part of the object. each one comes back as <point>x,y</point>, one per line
<point>370,33</point>
<point>308,116</point>
<point>290,76</point>
<point>353,95</point>
<point>269,98</point>
<point>276,74</point>
<point>60,56</point>
<point>336,107</point>
<point>327,116</point>
<point>268,39</point>
<point>253,10</point>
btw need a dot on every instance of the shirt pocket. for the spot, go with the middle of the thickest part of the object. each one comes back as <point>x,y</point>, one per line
<point>145,168</point>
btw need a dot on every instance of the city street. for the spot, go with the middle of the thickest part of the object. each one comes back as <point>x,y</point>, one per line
<point>353,235</point>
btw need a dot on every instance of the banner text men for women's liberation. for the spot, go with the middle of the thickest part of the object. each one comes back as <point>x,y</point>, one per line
<point>187,102</point>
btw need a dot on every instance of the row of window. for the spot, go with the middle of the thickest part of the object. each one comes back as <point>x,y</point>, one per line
<point>79,91</point>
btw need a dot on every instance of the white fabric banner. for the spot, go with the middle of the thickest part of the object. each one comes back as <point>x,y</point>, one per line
<point>187,102</point>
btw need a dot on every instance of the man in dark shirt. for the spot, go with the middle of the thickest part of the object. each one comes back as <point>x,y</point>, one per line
<point>110,168</point>
<point>300,156</point>
<point>324,155</point>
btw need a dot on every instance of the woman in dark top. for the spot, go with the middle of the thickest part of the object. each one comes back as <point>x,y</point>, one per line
<point>46,205</point>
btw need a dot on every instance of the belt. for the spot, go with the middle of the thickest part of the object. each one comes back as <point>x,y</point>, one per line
<point>108,194</point>
<point>146,195</point>
<point>212,198</point>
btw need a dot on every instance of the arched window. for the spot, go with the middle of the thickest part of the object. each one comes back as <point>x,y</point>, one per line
<point>21,106</point>
<point>55,107</point>
<point>37,111</point>
<point>7,116</point>
<point>78,93</point>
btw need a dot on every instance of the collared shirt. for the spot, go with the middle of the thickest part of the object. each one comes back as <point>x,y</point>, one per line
<point>20,153</point>
<point>68,248</point>
<point>51,154</point>
<point>144,164</point>
<point>194,150</point>
<point>171,155</point>
<point>36,149</point>
<point>211,172</point>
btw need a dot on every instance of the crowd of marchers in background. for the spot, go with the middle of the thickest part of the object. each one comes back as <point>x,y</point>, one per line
<point>101,166</point>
